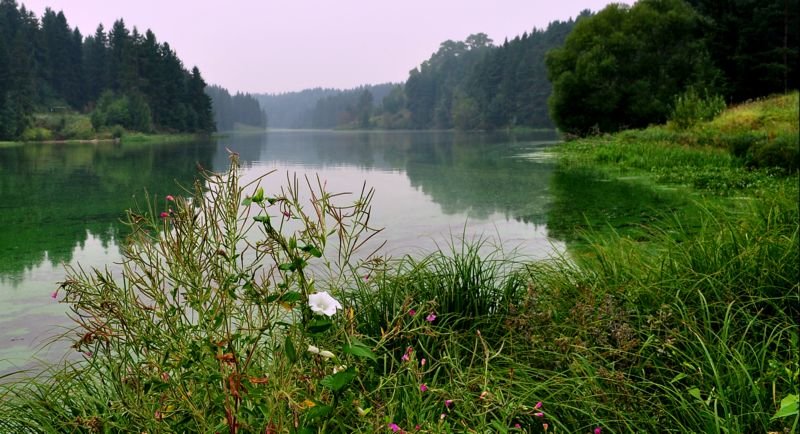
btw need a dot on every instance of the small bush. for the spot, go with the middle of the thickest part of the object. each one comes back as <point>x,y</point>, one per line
<point>691,108</point>
<point>779,152</point>
<point>36,134</point>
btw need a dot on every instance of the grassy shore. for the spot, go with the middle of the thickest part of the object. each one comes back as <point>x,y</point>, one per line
<point>679,316</point>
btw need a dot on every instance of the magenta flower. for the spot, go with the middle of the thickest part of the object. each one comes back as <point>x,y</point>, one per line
<point>517,426</point>
<point>393,426</point>
<point>88,353</point>
<point>417,427</point>
<point>54,295</point>
<point>423,387</point>
<point>412,312</point>
<point>164,215</point>
<point>405,357</point>
<point>598,430</point>
<point>538,405</point>
<point>430,318</point>
<point>539,414</point>
<point>287,214</point>
<point>448,403</point>
<point>170,198</point>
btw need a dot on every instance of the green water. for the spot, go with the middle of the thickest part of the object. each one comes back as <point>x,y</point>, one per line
<point>62,204</point>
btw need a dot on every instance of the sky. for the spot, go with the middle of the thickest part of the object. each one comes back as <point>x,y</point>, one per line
<point>280,46</point>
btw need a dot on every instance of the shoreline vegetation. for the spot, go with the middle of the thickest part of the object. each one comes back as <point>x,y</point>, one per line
<point>678,317</point>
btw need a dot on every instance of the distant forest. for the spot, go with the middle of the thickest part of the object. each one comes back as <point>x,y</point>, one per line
<point>320,108</point>
<point>464,85</point>
<point>241,109</point>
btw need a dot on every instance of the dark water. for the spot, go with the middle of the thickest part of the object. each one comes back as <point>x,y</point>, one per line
<point>62,204</point>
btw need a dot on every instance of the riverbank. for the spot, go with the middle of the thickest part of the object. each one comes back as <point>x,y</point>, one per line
<point>675,311</point>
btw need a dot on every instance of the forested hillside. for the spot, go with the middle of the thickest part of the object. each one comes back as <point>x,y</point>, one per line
<point>241,108</point>
<point>121,76</point>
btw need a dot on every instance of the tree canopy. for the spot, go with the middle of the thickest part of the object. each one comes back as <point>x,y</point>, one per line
<point>623,66</point>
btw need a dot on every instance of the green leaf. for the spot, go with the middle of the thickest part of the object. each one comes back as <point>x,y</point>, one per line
<point>358,349</point>
<point>319,325</point>
<point>288,347</point>
<point>262,219</point>
<point>789,407</point>
<point>287,267</point>
<point>305,430</point>
<point>292,243</point>
<point>247,201</point>
<point>291,297</point>
<point>313,250</point>
<point>678,377</point>
<point>695,392</point>
<point>319,411</point>
<point>259,196</point>
<point>340,380</point>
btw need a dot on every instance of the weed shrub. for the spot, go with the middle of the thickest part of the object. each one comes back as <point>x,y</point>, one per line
<point>692,107</point>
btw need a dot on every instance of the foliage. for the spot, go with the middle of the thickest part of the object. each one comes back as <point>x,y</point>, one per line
<point>690,108</point>
<point>622,67</point>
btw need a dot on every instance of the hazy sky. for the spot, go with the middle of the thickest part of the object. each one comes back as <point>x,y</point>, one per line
<point>278,46</point>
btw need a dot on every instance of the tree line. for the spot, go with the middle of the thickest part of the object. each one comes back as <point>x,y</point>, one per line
<point>122,77</point>
<point>626,66</point>
<point>240,108</point>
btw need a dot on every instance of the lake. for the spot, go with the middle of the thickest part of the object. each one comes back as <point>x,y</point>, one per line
<point>62,204</point>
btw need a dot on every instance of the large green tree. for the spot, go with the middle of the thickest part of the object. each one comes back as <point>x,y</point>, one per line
<point>623,66</point>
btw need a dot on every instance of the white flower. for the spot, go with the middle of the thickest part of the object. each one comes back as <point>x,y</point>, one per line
<point>324,353</point>
<point>322,303</point>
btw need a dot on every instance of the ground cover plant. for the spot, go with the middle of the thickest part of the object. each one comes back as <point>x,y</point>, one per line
<point>260,308</point>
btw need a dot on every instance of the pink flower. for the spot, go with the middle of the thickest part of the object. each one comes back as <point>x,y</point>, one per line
<point>165,376</point>
<point>366,277</point>
<point>417,427</point>
<point>598,430</point>
<point>54,295</point>
<point>412,312</point>
<point>539,414</point>
<point>170,198</point>
<point>448,403</point>
<point>393,426</point>
<point>423,387</point>
<point>405,357</point>
<point>538,405</point>
<point>287,214</point>
<point>88,353</point>
<point>423,362</point>
<point>164,215</point>
<point>517,426</point>
<point>545,426</point>
<point>430,318</point>
<point>442,416</point>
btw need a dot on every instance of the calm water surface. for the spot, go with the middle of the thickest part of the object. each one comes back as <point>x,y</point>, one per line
<point>62,204</point>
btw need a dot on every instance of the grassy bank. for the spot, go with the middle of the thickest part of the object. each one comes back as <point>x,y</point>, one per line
<point>70,128</point>
<point>675,314</point>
